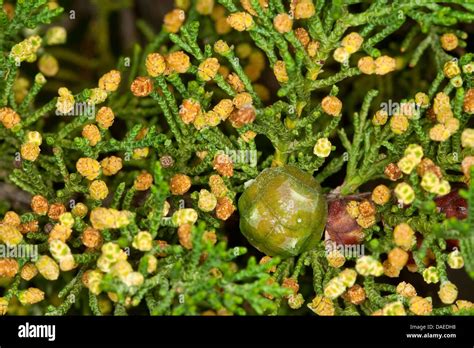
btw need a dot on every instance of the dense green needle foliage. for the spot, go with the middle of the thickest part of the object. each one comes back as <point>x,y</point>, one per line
<point>121,197</point>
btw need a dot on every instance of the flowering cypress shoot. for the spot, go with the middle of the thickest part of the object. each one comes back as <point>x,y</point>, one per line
<point>135,198</point>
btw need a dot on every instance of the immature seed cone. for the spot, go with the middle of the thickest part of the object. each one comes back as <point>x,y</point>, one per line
<point>451,69</point>
<point>335,258</point>
<point>322,306</point>
<point>34,137</point>
<point>406,289</point>
<point>398,258</point>
<point>466,165</point>
<point>104,218</point>
<point>248,136</point>
<point>140,153</point>
<point>207,201</point>
<point>161,244</point>
<point>282,191</point>
<point>366,208</point>
<point>341,55</point>
<point>210,236</point>
<point>97,96</point>
<point>380,118</point>
<point>47,267</point>
<point>205,7</point>
<point>313,48</point>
